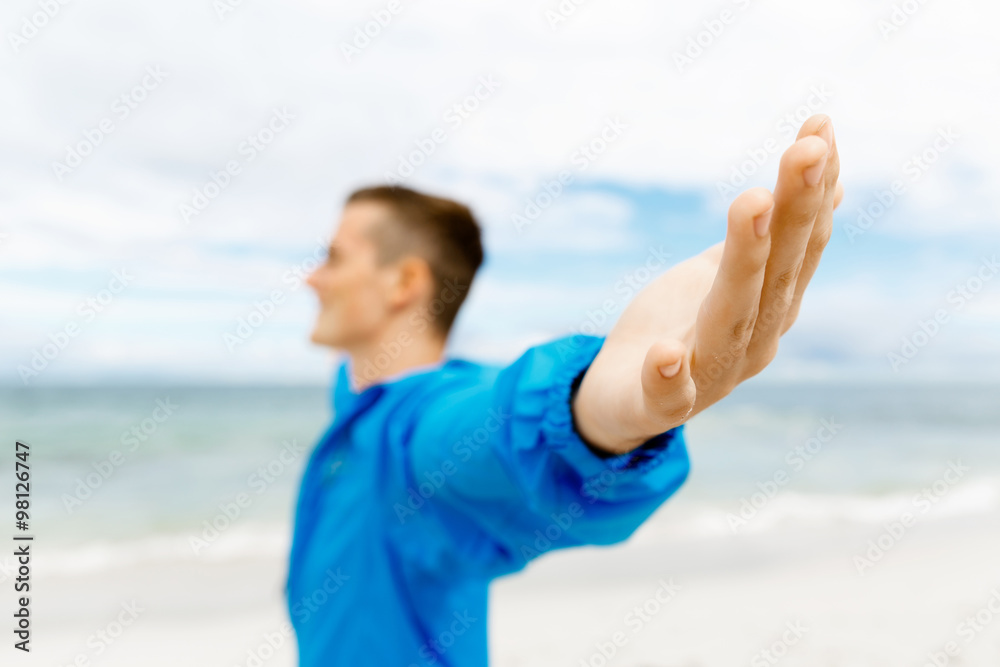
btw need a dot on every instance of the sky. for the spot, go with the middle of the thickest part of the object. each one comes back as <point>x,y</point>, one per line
<point>172,169</point>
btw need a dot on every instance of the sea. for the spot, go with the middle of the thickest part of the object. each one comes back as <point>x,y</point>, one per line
<point>128,475</point>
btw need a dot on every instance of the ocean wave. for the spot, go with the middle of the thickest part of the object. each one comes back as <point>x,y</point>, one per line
<point>682,519</point>
<point>792,510</point>
<point>249,541</point>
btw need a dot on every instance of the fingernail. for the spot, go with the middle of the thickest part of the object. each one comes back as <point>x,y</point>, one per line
<point>671,370</point>
<point>826,133</point>
<point>814,174</point>
<point>762,222</point>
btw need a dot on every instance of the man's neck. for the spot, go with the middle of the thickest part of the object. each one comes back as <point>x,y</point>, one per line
<point>392,355</point>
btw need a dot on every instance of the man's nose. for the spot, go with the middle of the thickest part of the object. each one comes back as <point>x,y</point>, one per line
<point>312,280</point>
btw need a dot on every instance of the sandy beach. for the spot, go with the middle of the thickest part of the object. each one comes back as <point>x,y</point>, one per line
<point>789,597</point>
<point>740,596</point>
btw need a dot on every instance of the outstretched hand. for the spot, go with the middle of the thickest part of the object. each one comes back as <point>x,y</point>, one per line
<point>709,323</point>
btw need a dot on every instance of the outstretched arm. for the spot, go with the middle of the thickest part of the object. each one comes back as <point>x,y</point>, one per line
<point>706,325</point>
<point>505,475</point>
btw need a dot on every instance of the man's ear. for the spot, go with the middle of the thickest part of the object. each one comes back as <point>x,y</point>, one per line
<point>414,281</point>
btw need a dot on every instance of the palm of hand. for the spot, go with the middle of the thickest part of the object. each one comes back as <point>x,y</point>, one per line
<point>709,323</point>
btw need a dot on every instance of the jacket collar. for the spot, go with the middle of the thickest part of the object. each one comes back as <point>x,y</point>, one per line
<point>346,397</point>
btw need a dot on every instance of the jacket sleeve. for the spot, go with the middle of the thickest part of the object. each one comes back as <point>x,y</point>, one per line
<point>513,467</point>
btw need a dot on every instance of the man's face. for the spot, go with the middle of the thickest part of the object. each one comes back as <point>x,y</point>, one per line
<point>353,290</point>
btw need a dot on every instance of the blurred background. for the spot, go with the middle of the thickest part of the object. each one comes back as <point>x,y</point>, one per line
<point>172,171</point>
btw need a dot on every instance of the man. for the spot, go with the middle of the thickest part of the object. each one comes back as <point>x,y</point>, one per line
<point>439,474</point>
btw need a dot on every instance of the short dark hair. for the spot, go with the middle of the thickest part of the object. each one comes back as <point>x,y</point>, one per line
<point>441,231</point>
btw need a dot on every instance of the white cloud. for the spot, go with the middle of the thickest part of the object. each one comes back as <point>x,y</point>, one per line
<point>686,130</point>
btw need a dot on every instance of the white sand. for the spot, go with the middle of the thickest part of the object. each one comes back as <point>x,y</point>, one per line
<point>736,596</point>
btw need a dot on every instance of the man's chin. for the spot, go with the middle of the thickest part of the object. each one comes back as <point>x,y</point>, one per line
<point>324,338</point>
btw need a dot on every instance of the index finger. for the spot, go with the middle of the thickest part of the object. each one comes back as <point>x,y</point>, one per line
<point>727,315</point>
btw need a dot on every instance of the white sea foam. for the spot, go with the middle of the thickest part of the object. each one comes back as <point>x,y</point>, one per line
<point>790,510</point>
<point>250,541</point>
<point>686,520</point>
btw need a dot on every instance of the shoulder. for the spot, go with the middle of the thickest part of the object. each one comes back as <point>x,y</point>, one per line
<point>456,377</point>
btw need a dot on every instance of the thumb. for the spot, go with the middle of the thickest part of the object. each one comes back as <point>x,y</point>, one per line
<point>667,388</point>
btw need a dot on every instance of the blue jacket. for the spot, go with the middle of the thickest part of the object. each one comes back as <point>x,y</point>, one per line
<point>433,482</point>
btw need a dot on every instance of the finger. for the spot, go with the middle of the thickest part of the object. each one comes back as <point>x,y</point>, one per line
<point>797,199</point>
<point>727,315</point>
<point>667,389</point>
<point>822,228</point>
<point>840,195</point>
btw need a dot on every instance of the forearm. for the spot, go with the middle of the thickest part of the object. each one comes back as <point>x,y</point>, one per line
<point>613,431</point>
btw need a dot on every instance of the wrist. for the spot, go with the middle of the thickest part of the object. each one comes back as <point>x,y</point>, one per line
<point>593,434</point>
